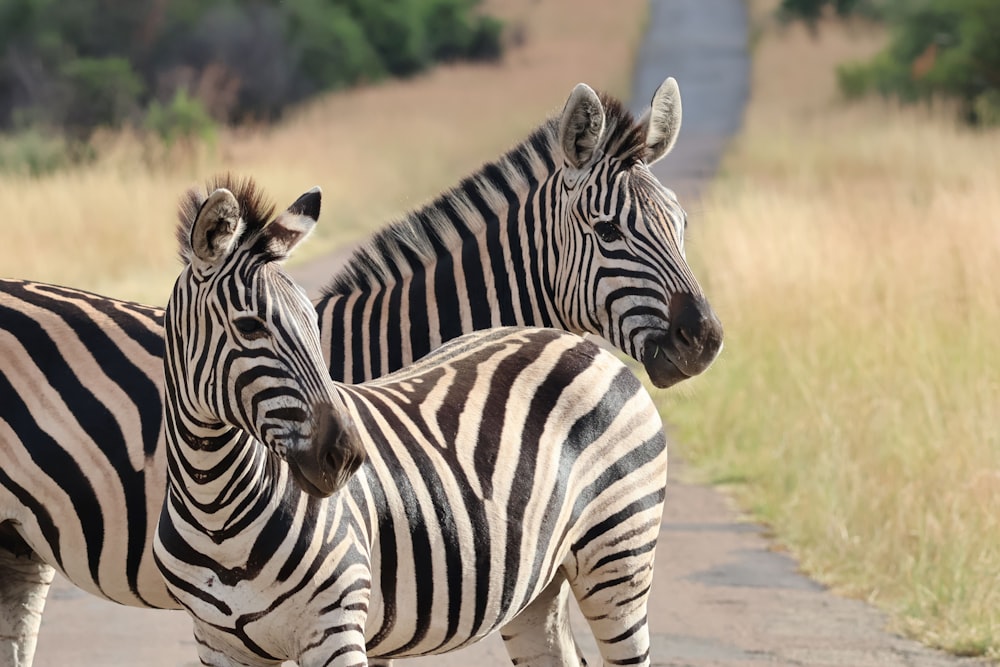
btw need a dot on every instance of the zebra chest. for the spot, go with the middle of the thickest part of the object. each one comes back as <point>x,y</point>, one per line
<point>269,566</point>
<point>246,601</point>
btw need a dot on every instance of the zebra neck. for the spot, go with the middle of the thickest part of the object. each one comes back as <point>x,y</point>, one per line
<point>477,257</point>
<point>218,478</point>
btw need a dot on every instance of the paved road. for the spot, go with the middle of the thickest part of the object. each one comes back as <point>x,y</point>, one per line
<point>722,596</point>
<point>702,44</point>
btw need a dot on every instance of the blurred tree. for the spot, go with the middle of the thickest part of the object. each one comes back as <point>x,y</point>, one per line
<point>89,63</point>
<point>331,47</point>
<point>451,35</point>
<point>397,32</point>
<point>95,92</point>
<point>182,119</point>
<point>937,47</point>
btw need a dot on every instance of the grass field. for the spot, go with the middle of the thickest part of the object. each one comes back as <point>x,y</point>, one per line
<point>376,152</point>
<point>851,252</point>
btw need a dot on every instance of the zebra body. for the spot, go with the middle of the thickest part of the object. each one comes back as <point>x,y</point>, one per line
<point>81,387</point>
<point>608,260</point>
<point>499,466</point>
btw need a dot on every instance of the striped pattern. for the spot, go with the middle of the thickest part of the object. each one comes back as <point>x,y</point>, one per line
<point>81,374</point>
<point>524,241</point>
<point>81,381</point>
<point>499,467</point>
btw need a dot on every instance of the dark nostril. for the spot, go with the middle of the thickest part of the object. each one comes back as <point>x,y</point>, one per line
<point>694,327</point>
<point>686,320</point>
<point>682,337</point>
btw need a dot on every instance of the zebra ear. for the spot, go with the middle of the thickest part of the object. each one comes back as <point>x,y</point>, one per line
<point>293,226</point>
<point>662,120</point>
<point>581,126</point>
<point>216,227</point>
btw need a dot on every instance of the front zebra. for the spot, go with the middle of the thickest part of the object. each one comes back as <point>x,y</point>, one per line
<point>508,460</point>
<point>541,236</point>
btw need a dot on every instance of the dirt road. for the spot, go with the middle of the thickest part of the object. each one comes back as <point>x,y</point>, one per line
<point>722,595</point>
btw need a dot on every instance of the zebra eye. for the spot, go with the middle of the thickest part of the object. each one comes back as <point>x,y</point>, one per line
<point>609,232</point>
<point>250,326</point>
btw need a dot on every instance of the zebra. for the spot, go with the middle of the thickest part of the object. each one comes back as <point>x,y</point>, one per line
<point>569,229</point>
<point>82,461</point>
<point>321,522</point>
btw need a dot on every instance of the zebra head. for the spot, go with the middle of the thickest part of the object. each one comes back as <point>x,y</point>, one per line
<point>243,348</point>
<point>629,281</point>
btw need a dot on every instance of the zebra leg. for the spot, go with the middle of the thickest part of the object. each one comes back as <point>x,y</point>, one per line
<point>338,641</point>
<point>24,584</point>
<point>540,635</point>
<point>613,595</point>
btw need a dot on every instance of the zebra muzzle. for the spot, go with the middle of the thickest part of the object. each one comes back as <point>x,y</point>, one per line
<point>335,452</point>
<point>688,346</point>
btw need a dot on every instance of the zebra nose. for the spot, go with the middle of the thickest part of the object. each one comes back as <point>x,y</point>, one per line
<point>695,333</point>
<point>339,450</point>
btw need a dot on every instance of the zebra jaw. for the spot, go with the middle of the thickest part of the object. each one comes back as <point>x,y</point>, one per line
<point>662,371</point>
<point>688,345</point>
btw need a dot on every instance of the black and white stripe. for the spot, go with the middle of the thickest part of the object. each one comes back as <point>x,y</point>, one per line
<point>585,240</point>
<point>500,467</point>
<point>531,239</point>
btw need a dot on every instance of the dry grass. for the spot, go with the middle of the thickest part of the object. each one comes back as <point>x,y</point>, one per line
<point>852,254</point>
<point>376,152</point>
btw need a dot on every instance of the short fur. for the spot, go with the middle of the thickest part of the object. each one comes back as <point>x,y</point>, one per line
<point>416,236</point>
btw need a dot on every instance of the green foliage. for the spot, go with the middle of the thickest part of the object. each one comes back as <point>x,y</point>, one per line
<point>97,91</point>
<point>332,48</point>
<point>184,118</point>
<point>452,34</point>
<point>938,47</point>
<point>91,63</point>
<point>396,30</point>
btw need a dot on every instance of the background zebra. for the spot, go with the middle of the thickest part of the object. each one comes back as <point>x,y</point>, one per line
<point>540,237</point>
<point>569,229</point>
<point>510,458</point>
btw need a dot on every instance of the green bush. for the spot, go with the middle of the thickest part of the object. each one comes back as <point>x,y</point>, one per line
<point>938,47</point>
<point>331,46</point>
<point>90,63</point>
<point>396,30</point>
<point>486,42</point>
<point>98,92</point>
<point>452,34</point>
<point>184,118</point>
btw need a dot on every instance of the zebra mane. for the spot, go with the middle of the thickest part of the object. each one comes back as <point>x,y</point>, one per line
<point>255,209</point>
<point>438,227</point>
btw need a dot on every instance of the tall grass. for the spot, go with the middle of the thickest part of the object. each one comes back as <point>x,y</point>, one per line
<point>376,152</point>
<point>852,253</point>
